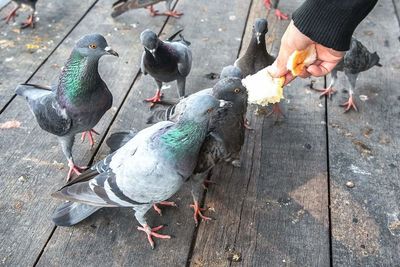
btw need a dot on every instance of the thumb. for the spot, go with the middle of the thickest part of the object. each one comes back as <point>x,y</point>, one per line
<point>277,70</point>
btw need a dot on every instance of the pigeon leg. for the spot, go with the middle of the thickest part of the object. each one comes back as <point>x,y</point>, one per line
<point>352,78</point>
<point>90,136</point>
<point>280,15</point>
<point>74,169</point>
<point>28,22</point>
<point>11,15</point>
<point>197,212</point>
<point>153,12</point>
<point>163,203</point>
<point>276,109</point>
<point>330,90</point>
<point>181,82</point>
<point>247,124</point>
<point>155,99</point>
<point>267,4</point>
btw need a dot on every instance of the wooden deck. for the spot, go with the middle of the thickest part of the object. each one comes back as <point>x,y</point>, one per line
<point>287,205</point>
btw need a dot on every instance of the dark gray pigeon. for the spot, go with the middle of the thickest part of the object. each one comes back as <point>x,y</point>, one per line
<point>256,56</point>
<point>356,60</point>
<point>78,101</point>
<point>121,6</point>
<point>231,71</point>
<point>165,61</point>
<point>148,169</point>
<point>30,21</point>
<point>226,136</point>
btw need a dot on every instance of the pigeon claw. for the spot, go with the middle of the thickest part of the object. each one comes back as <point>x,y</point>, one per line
<point>329,92</point>
<point>276,109</point>
<point>153,232</point>
<point>280,15</point>
<point>267,4</point>
<point>153,12</point>
<point>173,13</point>
<point>163,203</point>
<point>11,15</point>
<point>74,169</point>
<point>247,124</point>
<point>90,137</point>
<point>155,99</point>
<point>350,104</point>
<point>197,212</point>
<point>28,23</point>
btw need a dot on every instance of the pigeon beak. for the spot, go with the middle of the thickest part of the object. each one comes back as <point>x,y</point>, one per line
<point>225,104</point>
<point>110,51</point>
<point>258,35</point>
<point>153,52</point>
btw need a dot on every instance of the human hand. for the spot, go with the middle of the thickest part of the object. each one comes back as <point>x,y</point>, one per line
<point>292,40</point>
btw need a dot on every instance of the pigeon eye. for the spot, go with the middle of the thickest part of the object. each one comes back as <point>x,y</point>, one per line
<point>210,110</point>
<point>237,90</point>
<point>93,46</point>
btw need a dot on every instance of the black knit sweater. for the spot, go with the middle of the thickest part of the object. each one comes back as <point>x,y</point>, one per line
<point>331,22</point>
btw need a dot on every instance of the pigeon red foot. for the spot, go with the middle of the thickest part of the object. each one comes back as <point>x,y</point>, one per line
<point>11,15</point>
<point>90,136</point>
<point>155,99</point>
<point>163,203</point>
<point>329,92</point>
<point>74,169</point>
<point>28,23</point>
<point>152,232</point>
<point>173,13</point>
<point>197,212</point>
<point>153,12</point>
<point>350,104</point>
<point>279,14</point>
<point>276,109</point>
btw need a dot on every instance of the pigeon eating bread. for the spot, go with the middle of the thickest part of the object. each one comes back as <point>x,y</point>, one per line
<point>263,89</point>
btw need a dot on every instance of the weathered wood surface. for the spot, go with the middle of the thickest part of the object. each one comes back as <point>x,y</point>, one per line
<point>23,51</point>
<point>396,4</point>
<point>274,210</point>
<point>110,238</point>
<point>31,159</point>
<point>364,149</point>
<point>3,3</point>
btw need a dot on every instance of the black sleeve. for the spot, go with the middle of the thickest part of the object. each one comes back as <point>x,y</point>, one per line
<point>331,22</point>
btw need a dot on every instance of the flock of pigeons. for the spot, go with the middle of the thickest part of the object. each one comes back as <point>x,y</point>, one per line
<point>186,141</point>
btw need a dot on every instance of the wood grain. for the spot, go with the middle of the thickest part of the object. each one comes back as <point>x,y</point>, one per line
<point>274,210</point>
<point>23,51</point>
<point>364,149</point>
<point>110,238</point>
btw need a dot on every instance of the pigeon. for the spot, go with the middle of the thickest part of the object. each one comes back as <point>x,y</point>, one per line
<point>231,71</point>
<point>30,20</point>
<point>165,61</point>
<point>148,169</point>
<point>121,6</point>
<point>257,57</point>
<point>78,101</point>
<point>279,14</point>
<point>226,137</point>
<point>356,60</point>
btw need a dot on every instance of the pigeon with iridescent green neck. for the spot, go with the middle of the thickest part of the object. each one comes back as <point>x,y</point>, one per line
<point>148,169</point>
<point>78,101</point>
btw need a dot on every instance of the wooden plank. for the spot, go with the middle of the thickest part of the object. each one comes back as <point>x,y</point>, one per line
<point>396,4</point>
<point>274,210</point>
<point>31,159</point>
<point>23,51</point>
<point>3,3</point>
<point>364,149</point>
<point>110,237</point>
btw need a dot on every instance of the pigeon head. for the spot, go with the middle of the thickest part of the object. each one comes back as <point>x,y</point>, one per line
<point>260,28</point>
<point>202,107</point>
<point>231,89</point>
<point>94,45</point>
<point>231,71</point>
<point>149,41</point>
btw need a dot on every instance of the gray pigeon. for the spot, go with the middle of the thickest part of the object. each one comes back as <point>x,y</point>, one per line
<point>148,169</point>
<point>165,61</point>
<point>225,139</point>
<point>30,20</point>
<point>356,60</point>
<point>121,6</point>
<point>231,71</point>
<point>78,101</point>
<point>256,56</point>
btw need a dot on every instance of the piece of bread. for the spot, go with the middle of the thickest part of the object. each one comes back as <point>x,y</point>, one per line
<point>263,89</point>
<point>299,60</point>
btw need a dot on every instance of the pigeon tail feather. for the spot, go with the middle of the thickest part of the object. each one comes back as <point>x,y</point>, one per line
<point>71,213</point>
